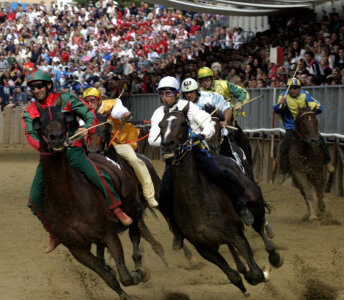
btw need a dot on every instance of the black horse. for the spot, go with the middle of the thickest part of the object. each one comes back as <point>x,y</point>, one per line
<point>306,159</point>
<point>76,211</point>
<point>224,143</point>
<point>202,211</point>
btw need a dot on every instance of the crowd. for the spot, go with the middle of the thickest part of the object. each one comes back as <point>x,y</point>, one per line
<point>116,48</point>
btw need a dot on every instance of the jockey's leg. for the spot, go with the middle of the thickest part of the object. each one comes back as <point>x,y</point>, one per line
<point>243,143</point>
<point>327,157</point>
<point>36,205</point>
<point>141,172</point>
<point>166,206</point>
<point>225,179</point>
<point>284,151</point>
<point>78,159</point>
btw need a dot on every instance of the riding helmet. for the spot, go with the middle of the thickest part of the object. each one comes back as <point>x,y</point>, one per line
<point>38,75</point>
<point>189,85</point>
<point>91,92</point>
<point>294,81</point>
<point>168,82</point>
<point>204,72</point>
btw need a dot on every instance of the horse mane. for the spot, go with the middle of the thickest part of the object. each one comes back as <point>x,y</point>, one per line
<point>210,108</point>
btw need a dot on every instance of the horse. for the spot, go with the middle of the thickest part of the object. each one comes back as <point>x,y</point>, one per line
<point>76,211</point>
<point>306,161</point>
<point>202,211</point>
<point>223,142</point>
<point>99,143</point>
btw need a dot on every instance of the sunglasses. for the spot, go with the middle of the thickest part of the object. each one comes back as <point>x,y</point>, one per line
<point>167,94</point>
<point>38,86</point>
<point>294,87</point>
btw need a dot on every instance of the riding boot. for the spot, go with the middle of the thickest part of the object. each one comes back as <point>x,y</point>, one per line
<point>53,243</point>
<point>122,216</point>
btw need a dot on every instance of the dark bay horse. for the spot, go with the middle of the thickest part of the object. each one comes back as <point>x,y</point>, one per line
<point>225,144</point>
<point>76,211</point>
<point>306,160</point>
<point>202,211</point>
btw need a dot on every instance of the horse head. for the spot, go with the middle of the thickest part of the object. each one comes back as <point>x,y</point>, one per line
<point>306,126</point>
<point>98,142</point>
<point>215,142</point>
<point>174,132</point>
<point>52,129</point>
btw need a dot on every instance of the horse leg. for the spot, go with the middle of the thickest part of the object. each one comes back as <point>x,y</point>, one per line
<point>116,250</point>
<point>319,188</point>
<point>100,252</point>
<point>85,257</point>
<point>306,190</point>
<point>240,266</point>
<point>216,258</point>
<point>274,257</point>
<point>255,275</point>
<point>156,246</point>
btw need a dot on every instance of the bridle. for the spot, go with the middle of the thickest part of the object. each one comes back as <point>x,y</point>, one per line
<point>302,137</point>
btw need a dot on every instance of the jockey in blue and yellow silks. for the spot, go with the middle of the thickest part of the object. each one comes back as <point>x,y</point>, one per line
<point>237,95</point>
<point>287,109</point>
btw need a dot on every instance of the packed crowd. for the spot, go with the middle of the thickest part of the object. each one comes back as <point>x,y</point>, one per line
<point>114,48</point>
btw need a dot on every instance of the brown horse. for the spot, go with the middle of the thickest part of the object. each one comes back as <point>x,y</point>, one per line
<point>98,143</point>
<point>76,211</point>
<point>306,160</point>
<point>202,211</point>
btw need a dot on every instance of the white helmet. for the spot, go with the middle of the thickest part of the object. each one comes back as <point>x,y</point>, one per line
<point>168,82</point>
<point>189,85</point>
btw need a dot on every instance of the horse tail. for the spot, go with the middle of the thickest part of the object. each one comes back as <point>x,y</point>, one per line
<point>156,246</point>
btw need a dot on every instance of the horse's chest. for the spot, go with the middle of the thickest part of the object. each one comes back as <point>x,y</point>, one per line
<point>305,159</point>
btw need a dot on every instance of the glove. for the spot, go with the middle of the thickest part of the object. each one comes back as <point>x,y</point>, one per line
<point>198,137</point>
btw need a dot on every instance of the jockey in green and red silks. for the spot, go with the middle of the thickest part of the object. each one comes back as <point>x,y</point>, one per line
<point>41,86</point>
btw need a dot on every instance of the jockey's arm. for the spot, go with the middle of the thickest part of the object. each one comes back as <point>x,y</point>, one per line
<point>226,108</point>
<point>280,104</point>
<point>313,104</point>
<point>119,111</point>
<point>241,95</point>
<point>154,139</point>
<point>198,116</point>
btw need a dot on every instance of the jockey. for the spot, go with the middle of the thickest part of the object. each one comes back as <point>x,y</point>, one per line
<point>227,89</point>
<point>191,92</point>
<point>287,109</point>
<point>168,90</point>
<point>118,113</point>
<point>42,89</point>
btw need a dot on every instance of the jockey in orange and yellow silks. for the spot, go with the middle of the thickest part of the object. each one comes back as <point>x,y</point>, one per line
<point>128,133</point>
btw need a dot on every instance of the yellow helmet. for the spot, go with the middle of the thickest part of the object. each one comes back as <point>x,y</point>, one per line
<point>91,92</point>
<point>204,72</point>
<point>294,81</point>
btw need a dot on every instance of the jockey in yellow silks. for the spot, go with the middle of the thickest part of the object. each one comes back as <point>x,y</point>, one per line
<point>287,109</point>
<point>237,95</point>
<point>127,133</point>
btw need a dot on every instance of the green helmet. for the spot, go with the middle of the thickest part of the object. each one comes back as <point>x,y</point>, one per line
<point>38,75</point>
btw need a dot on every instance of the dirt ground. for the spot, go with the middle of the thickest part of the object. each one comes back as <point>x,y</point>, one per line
<point>313,252</point>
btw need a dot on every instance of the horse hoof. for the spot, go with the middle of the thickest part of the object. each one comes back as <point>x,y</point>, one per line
<point>276,260</point>
<point>124,296</point>
<point>248,295</point>
<point>145,273</point>
<point>312,218</point>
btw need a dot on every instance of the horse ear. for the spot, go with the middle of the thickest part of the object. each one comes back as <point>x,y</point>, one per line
<point>36,124</point>
<point>186,109</point>
<point>165,110</point>
<point>68,117</point>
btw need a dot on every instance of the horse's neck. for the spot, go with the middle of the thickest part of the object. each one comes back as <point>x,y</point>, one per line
<point>56,172</point>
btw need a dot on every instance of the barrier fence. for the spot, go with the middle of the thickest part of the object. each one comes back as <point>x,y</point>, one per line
<point>261,126</point>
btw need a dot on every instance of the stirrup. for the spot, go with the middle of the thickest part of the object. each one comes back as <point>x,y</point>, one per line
<point>122,217</point>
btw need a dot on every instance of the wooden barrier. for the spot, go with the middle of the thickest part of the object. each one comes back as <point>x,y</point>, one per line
<point>265,167</point>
